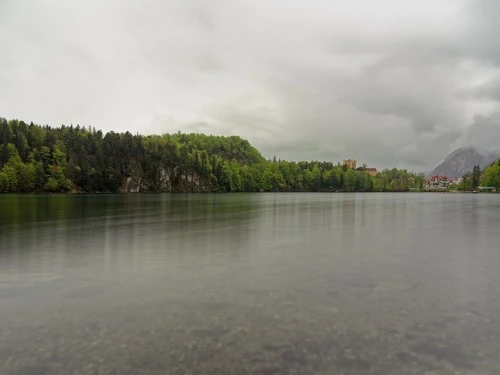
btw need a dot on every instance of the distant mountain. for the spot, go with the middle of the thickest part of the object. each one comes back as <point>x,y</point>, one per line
<point>461,161</point>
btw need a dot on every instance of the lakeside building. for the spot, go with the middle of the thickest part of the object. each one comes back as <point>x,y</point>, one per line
<point>437,183</point>
<point>456,181</point>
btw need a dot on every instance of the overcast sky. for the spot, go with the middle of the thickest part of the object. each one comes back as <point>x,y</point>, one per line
<point>389,83</point>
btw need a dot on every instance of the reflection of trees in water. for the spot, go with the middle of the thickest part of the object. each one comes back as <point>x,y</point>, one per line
<point>110,226</point>
<point>325,283</point>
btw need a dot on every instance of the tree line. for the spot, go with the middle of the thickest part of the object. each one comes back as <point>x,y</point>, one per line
<point>490,177</point>
<point>36,158</point>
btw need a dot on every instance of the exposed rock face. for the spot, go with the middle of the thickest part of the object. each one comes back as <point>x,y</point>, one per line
<point>168,180</point>
<point>461,161</point>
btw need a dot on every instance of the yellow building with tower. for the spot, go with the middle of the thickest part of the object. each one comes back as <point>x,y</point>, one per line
<point>349,163</point>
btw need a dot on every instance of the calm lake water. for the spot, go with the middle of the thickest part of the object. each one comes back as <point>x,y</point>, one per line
<point>250,284</point>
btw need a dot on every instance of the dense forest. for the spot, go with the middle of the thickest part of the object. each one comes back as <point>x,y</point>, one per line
<point>491,175</point>
<point>37,158</point>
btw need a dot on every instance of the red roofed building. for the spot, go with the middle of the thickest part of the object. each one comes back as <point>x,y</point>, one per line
<point>437,183</point>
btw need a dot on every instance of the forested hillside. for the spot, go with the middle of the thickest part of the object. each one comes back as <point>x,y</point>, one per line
<point>37,158</point>
<point>491,175</point>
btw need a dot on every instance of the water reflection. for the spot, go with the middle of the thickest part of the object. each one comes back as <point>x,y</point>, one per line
<point>249,283</point>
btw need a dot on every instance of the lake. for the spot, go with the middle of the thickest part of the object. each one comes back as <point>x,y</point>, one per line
<point>270,284</point>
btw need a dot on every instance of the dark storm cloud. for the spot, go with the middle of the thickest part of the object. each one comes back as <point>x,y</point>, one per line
<point>485,132</point>
<point>389,83</point>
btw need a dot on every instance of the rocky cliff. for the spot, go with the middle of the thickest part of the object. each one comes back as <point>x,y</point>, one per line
<point>461,161</point>
<point>168,180</point>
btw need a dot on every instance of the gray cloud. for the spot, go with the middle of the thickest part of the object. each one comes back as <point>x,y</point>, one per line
<point>480,29</point>
<point>486,90</point>
<point>484,132</point>
<point>388,83</point>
